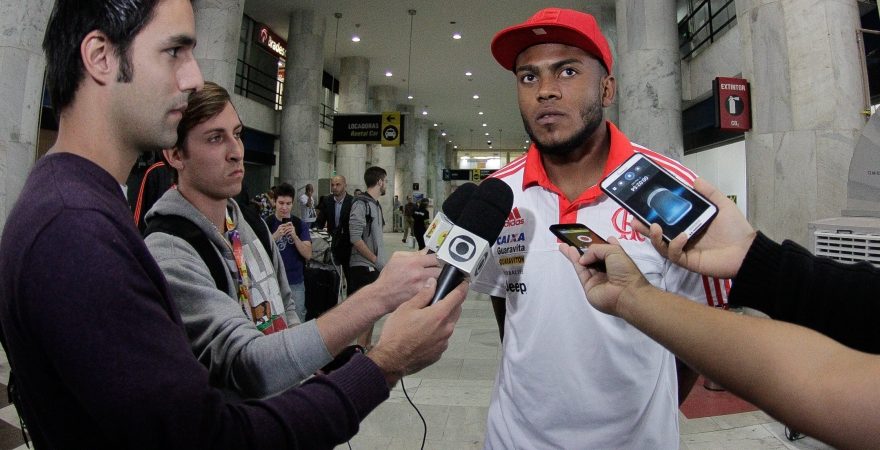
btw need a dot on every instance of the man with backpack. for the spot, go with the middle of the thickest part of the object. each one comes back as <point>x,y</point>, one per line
<point>232,289</point>
<point>365,225</point>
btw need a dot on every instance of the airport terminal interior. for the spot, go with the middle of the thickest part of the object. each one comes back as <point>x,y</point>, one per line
<point>772,101</point>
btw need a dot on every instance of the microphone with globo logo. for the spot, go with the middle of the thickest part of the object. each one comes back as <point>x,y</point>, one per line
<point>466,247</point>
<point>444,220</point>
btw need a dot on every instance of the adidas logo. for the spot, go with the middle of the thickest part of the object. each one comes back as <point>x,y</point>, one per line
<point>514,219</point>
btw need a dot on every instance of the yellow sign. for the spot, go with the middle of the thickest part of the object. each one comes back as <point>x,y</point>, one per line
<point>475,174</point>
<point>390,129</point>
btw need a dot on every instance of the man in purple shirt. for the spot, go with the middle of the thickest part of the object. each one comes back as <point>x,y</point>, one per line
<point>97,346</point>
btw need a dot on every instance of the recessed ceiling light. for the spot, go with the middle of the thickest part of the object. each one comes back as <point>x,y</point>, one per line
<point>409,97</point>
<point>455,146</point>
<point>487,134</point>
<point>435,124</point>
<point>490,146</point>
<point>468,73</point>
<point>443,133</point>
<point>456,36</point>
<point>424,113</point>
<point>476,97</point>
<point>480,113</point>
<point>355,38</point>
<point>389,74</point>
<point>484,124</point>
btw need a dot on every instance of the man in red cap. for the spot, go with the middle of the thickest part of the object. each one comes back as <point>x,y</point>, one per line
<point>570,376</point>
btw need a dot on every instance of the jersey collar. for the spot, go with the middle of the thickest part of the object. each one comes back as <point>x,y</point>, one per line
<point>535,175</point>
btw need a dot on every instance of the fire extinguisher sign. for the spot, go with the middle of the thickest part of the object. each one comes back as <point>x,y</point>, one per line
<point>732,104</point>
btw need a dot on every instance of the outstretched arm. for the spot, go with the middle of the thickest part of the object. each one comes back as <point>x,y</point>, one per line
<point>797,375</point>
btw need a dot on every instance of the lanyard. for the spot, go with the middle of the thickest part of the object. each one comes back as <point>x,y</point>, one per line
<point>244,293</point>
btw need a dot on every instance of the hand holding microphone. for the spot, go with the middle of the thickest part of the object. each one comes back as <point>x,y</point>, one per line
<point>466,247</point>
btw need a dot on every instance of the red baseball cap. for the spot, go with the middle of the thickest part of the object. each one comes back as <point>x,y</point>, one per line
<point>552,26</point>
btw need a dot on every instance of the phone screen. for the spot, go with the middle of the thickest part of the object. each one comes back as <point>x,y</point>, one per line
<point>655,196</point>
<point>579,236</point>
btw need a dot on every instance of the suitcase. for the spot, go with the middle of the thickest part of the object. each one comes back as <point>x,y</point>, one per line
<point>322,279</point>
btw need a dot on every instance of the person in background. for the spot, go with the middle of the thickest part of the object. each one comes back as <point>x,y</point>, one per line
<point>335,211</point>
<point>421,217</point>
<point>408,209</point>
<point>368,256</point>
<point>294,242</point>
<point>307,206</point>
<point>799,376</point>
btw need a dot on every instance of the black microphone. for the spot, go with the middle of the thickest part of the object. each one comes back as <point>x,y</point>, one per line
<point>445,219</point>
<point>466,248</point>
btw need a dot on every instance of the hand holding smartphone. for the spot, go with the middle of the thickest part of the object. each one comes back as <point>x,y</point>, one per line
<point>654,195</point>
<point>581,237</point>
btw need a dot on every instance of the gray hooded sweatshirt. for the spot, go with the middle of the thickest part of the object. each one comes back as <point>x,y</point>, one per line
<point>240,359</point>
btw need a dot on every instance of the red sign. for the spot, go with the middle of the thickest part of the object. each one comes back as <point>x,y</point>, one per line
<point>270,41</point>
<point>733,110</point>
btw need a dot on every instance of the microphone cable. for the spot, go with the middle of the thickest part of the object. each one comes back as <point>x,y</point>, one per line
<point>424,424</point>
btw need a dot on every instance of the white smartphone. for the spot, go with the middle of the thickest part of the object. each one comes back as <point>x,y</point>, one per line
<point>654,195</point>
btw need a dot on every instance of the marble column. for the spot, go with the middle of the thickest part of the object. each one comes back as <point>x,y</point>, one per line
<point>433,141</point>
<point>607,18</point>
<point>22,65</point>
<point>802,61</point>
<point>354,77</point>
<point>403,178</point>
<point>435,168</point>
<point>384,99</point>
<point>649,74</point>
<point>420,155</point>
<point>299,152</point>
<point>218,26</point>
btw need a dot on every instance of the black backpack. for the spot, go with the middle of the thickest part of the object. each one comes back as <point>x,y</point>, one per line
<point>191,233</point>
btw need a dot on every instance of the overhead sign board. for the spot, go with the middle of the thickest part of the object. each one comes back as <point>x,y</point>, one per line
<point>733,110</point>
<point>385,129</point>
<point>466,174</point>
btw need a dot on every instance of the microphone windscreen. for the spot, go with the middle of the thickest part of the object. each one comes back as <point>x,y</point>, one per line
<point>455,203</point>
<point>485,213</point>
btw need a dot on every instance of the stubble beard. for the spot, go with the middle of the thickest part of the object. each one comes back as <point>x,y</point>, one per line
<point>592,117</point>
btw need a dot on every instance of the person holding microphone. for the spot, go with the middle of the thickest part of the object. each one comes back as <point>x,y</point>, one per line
<point>820,384</point>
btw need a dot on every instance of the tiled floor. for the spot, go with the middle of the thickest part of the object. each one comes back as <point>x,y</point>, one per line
<point>453,396</point>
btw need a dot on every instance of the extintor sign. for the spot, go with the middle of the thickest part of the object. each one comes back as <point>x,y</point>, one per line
<point>733,110</point>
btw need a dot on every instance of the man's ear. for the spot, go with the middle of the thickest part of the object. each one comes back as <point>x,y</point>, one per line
<point>174,156</point>
<point>99,57</point>
<point>609,90</point>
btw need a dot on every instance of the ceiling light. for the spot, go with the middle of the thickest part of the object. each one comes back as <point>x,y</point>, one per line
<point>424,113</point>
<point>456,36</point>
<point>476,97</point>
<point>435,124</point>
<point>389,74</point>
<point>412,14</point>
<point>355,38</point>
<point>442,133</point>
<point>487,134</point>
<point>468,73</point>
<point>455,146</point>
<point>484,124</point>
<point>480,113</point>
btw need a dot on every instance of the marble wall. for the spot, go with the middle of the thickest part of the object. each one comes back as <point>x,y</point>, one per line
<point>802,61</point>
<point>22,64</point>
<point>218,25</point>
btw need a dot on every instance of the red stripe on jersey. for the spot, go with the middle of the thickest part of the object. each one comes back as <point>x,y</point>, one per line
<point>721,301</point>
<point>567,214</point>
<point>669,164</point>
<point>709,300</point>
<point>510,168</point>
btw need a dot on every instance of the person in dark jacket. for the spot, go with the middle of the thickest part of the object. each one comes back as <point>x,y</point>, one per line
<point>421,217</point>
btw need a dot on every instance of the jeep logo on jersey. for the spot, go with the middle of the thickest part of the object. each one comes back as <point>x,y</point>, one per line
<point>621,222</point>
<point>514,219</point>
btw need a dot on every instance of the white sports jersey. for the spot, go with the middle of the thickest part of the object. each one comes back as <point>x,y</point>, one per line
<point>570,376</point>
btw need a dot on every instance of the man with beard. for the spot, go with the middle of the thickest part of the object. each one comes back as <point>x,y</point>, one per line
<point>609,386</point>
<point>367,244</point>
